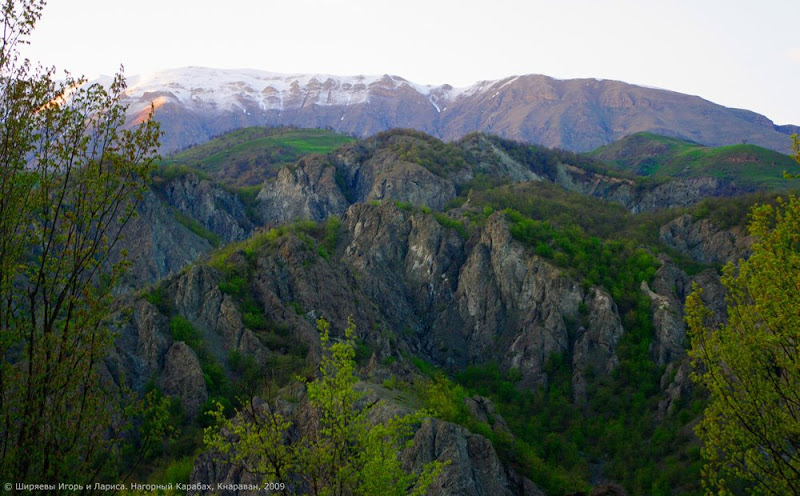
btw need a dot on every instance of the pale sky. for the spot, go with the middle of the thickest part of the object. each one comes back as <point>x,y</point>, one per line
<point>738,53</point>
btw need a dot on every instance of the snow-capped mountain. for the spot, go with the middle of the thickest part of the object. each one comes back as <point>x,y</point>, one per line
<point>196,103</point>
<point>241,89</point>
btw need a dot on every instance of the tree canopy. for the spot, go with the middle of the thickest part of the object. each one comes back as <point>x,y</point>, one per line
<point>750,363</point>
<point>70,178</point>
<point>340,453</point>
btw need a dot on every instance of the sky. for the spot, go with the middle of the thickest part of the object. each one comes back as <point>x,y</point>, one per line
<point>738,53</point>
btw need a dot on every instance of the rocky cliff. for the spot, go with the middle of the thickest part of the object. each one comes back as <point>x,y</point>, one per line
<point>408,167</point>
<point>185,215</point>
<point>704,242</point>
<point>455,289</point>
<point>411,284</point>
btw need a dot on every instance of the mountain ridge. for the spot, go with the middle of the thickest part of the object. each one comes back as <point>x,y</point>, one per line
<point>521,272</point>
<point>194,104</point>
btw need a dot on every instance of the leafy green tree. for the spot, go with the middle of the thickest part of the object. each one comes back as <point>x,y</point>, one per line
<point>70,178</point>
<point>341,454</point>
<point>751,363</point>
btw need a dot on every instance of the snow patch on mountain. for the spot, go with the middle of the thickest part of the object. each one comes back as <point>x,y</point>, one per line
<point>245,89</point>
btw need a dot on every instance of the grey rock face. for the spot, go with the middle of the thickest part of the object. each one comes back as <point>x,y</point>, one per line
<point>139,349</point>
<point>319,186</point>
<point>668,295</point>
<point>677,389</point>
<point>182,377</point>
<point>307,191</point>
<point>503,301</point>
<point>384,176</point>
<point>475,469</point>
<point>704,242</point>
<point>675,193</point>
<point>157,244</point>
<point>680,193</point>
<point>595,347</point>
<point>411,284</point>
<point>216,209</point>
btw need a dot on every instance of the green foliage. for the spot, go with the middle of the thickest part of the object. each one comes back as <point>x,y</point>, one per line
<point>196,228</point>
<point>726,213</point>
<point>451,223</point>
<point>660,156</point>
<point>157,424</point>
<point>246,157</point>
<point>321,237</point>
<point>179,471</point>
<point>297,307</point>
<point>342,454</point>
<point>544,201</point>
<point>620,266</point>
<point>70,179</point>
<point>331,231</point>
<point>555,441</point>
<point>157,298</point>
<point>442,159</point>
<point>447,400</point>
<point>254,320</point>
<point>183,330</point>
<point>750,363</point>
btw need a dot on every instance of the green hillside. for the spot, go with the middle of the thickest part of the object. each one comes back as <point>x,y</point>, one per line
<point>246,157</point>
<point>648,154</point>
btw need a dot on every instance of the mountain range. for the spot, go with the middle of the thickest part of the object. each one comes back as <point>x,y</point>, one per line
<point>194,104</point>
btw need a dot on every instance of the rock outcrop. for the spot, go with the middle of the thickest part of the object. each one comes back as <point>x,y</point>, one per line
<point>219,211</point>
<point>182,378</point>
<point>668,293</point>
<point>678,192</point>
<point>475,469</point>
<point>157,244</point>
<point>307,190</point>
<point>595,347</point>
<point>701,240</point>
<point>319,186</point>
<point>411,284</point>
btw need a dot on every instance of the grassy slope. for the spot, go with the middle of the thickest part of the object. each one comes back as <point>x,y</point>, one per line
<point>246,157</point>
<point>648,154</point>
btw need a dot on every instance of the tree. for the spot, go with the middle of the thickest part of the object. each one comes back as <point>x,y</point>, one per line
<point>750,364</point>
<point>341,453</point>
<point>70,178</point>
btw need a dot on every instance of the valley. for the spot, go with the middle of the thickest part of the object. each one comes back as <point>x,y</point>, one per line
<point>533,297</point>
<point>240,282</point>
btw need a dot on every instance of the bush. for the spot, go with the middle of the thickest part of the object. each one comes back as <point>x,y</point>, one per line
<point>182,330</point>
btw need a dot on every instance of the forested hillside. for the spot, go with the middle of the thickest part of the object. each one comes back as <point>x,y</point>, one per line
<point>523,293</point>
